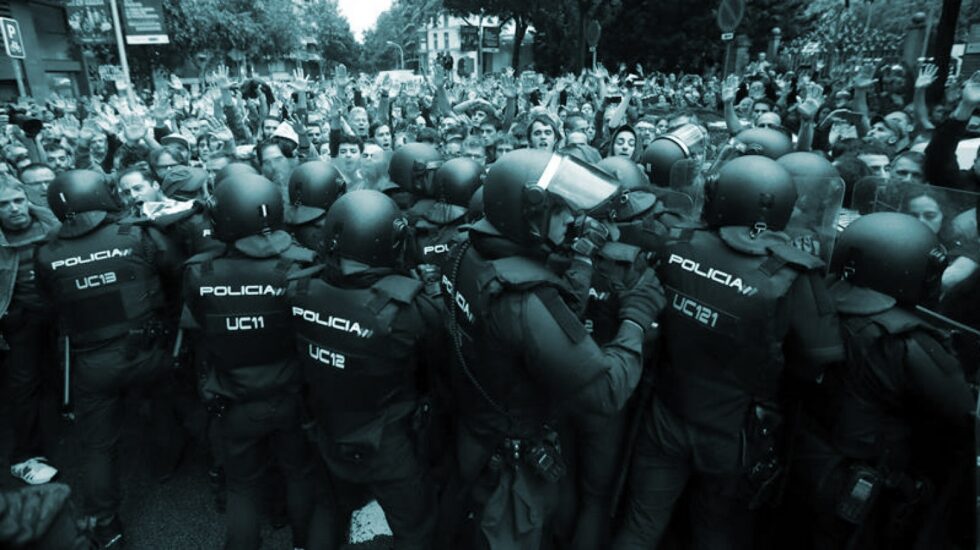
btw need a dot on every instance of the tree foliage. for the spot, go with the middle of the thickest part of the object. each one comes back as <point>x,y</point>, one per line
<point>400,24</point>
<point>335,41</point>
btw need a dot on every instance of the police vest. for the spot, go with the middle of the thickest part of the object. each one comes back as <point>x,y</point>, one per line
<point>240,303</point>
<point>103,282</point>
<point>518,407</point>
<point>723,328</point>
<point>870,418</point>
<point>436,227</point>
<point>358,347</point>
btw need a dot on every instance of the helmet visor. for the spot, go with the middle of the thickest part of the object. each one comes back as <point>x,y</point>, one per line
<point>582,187</point>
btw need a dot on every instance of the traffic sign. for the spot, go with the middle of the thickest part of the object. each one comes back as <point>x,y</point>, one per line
<point>13,41</point>
<point>730,13</point>
<point>592,33</point>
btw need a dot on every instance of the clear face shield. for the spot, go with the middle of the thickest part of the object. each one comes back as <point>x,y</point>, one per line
<point>579,189</point>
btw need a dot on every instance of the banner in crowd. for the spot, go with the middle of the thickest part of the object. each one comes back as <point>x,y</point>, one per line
<point>143,22</point>
<point>90,21</point>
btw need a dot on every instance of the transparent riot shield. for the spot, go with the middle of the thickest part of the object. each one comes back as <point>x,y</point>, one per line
<point>813,225</point>
<point>687,178</point>
<point>676,202</point>
<point>949,213</point>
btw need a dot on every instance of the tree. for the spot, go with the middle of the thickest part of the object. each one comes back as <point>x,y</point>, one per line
<point>400,24</point>
<point>520,12</point>
<point>335,41</point>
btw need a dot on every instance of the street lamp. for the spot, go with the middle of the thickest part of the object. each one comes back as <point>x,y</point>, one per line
<point>401,54</point>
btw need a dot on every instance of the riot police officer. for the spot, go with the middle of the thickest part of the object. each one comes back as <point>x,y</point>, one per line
<point>107,282</point>
<point>738,293</point>
<point>437,218</point>
<point>236,299</point>
<point>523,359</point>
<point>313,188</point>
<point>411,170</point>
<point>365,331</point>
<point>868,488</point>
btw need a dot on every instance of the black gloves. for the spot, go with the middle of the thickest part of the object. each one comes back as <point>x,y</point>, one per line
<point>643,302</point>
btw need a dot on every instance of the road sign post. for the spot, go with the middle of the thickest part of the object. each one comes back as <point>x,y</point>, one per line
<point>730,13</point>
<point>592,34</point>
<point>13,43</point>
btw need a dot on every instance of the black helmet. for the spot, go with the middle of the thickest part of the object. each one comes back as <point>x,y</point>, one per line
<point>475,209</point>
<point>366,226</point>
<point>315,184</point>
<point>803,164</point>
<point>234,169</point>
<point>457,180</point>
<point>627,173</point>
<point>78,191</point>
<point>765,141</point>
<point>412,166</point>
<point>245,205</point>
<point>749,191</point>
<point>681,143</point>
<point>523,185</point>
<point>892,253</point>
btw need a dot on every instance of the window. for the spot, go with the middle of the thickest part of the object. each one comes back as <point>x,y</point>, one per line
<point>445,38</point>
<point>435,41</point>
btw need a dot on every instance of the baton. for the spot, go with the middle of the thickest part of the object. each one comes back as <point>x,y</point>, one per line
<point>66,394</point>
<point>178,342</point>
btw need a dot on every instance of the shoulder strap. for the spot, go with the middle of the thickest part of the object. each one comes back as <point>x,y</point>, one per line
<point>569,323</point>
<point>298,253</point>
<point>393,288</point>
<point>794,256</point>
<point>202,257</point>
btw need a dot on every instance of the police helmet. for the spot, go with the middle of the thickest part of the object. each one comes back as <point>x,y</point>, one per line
<point>412,166</point>
<point>750,191</point>
<point>523,186</point>
<point>892,253</point>
<point>627,173</point>
<point>681,143</point>
<point>234,169</point>
<point>803,164</point>
<point>457,180</point>
<point>475,209</point>
<point>315,183</point>
<point>245,205</point>
<point>365,226</point>
<point>765,141</point>
<point>78,191</point>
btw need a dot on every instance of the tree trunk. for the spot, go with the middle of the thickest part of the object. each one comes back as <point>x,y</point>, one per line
<point>520,28</point>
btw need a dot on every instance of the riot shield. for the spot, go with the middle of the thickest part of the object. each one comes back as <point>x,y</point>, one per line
<point>813,224</point>
<point>687,178</point>
<point>677,202</point>
<point>950,213</point>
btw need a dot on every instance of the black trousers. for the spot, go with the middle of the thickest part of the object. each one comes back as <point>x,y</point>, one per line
<point>672,457</point>
<point>103,378</point>
<point>254,433</point>
<point>31,368</point>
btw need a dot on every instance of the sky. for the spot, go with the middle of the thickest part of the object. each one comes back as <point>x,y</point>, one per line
<point>362,13</point>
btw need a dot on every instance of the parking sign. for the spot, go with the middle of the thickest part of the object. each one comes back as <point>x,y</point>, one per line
<point>13,42</point>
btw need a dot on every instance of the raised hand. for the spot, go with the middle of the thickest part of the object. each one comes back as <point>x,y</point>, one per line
<point>864,77</point>
<point>927,75</point>
<point>809,107</point>
<point>971,90</point>
<point>729,88</point>
<point>134,128</point>
<point>300,82</point>
<point>221,77</point>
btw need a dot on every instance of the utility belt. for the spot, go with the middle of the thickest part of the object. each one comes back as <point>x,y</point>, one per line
<point>864,485</point>
<point>766,466</point>
<point>145,336</point>
<point>218,405</point>
<point>542,455</point>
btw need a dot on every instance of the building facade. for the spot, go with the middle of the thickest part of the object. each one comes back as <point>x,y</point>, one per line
<point>51,62</point>
<point>459,37</point>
